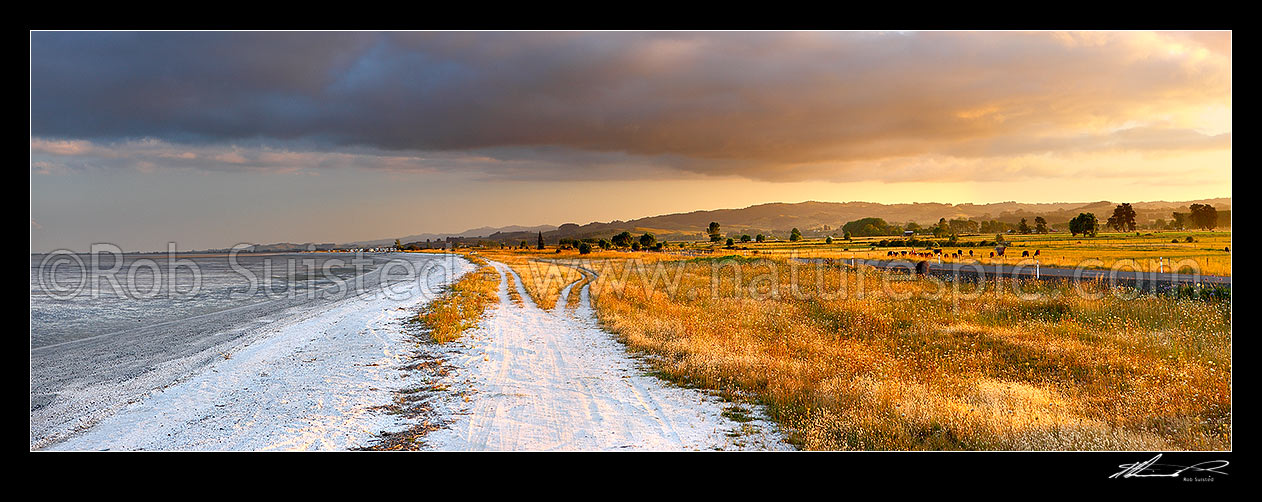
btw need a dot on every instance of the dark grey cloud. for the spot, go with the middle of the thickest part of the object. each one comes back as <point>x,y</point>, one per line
<point>750,104</point>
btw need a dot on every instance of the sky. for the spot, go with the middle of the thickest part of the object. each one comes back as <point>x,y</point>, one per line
<point>208,139</point>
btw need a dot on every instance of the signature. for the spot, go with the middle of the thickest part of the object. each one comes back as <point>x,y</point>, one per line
<point>1151,469</point>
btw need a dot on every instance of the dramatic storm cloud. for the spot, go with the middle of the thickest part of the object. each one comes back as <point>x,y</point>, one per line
<point>820,114</point>
<point>762,105</point>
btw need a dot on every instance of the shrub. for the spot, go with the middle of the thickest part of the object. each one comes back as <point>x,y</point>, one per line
<point>623,239</point>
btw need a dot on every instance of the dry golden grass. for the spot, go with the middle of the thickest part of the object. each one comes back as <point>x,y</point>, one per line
<point>461,306</point>
<point>513,295</point>
<point>543,280</point>
<point>576,295</point>
<point>990,371</point>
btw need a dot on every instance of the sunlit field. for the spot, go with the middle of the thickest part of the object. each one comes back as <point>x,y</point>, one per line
<point>541,280</point>
<point>859,360</point>
<point>1210,251</point>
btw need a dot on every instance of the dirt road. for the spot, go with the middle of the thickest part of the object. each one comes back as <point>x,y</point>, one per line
<point>553,380</point>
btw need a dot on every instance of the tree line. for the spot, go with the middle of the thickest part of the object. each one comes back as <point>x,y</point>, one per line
<point>1201,216</point>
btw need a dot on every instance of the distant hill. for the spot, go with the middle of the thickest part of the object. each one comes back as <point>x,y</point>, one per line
<point>811,217</point>
<point>471,233</point>
<point>282,247</point>
<point>777,219</point>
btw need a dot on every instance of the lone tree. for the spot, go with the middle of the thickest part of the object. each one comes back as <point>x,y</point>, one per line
<point>1085,224</point>
<point>1023,227</point>
<point>713,230</point>
<point>584,248</point>
<point>622,240</point>
<point>795,235</point>
<point>868,227</point>
<point>1040,225</point>
<point>1180,220</point>
<point>1123,218</point>
<point>1204,216</point>
<point>399,246</point>
<point>829,240</point>
<point>942,229</point>
<point>760,238</point>
<point>540,246</point>
<point>647,240</point>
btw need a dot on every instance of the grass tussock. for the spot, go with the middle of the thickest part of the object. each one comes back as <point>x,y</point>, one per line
<point>576,292</point>
<point>461,306</point>
<point>513,295</point>
<point>895,367</point>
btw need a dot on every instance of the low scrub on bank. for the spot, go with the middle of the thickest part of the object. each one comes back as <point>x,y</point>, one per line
<point>903,367</point>
<point>461,306</point>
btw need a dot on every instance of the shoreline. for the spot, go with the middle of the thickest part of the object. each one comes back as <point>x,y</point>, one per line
<point>298,378</point>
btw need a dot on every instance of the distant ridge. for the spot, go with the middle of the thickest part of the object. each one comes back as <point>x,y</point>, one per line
<point>473,232</point>
<point>778,218</point>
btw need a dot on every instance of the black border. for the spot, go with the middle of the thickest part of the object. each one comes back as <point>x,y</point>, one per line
<point>624,473</point>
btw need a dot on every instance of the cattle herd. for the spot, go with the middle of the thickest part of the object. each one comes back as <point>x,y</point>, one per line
<point>959,253</point>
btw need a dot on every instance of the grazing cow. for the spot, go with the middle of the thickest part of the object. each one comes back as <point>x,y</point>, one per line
<point>937,251</point>
<point>922,267</point>
<point>970,252</point>
<point>992,254</point>
<point>1025,254</point>
<point>1036,252</point>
